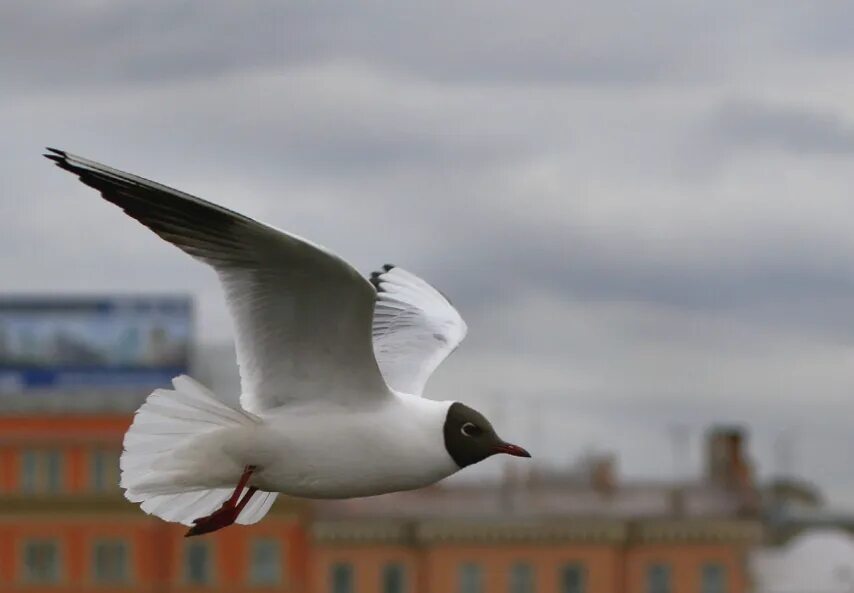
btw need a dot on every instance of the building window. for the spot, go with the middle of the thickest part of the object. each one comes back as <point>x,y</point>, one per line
<point>342,578</point>
<point>471,578</point>
<point>110,562</point>
<point>53,471</point>
<point>658,579</point>
<point>103,470</point>
<point>521,578</point>
<point>265,562</point>
<point>197,563</point>
<point>713,579</point>
<point>41,562</point>
<point>394,578</point>
<point>29,471</point>
<point>572,578</point>
<point>41,471</point>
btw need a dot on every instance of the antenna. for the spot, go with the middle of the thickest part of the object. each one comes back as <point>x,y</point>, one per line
<point>499,408</point>
<point>784,452</point>
<point>535,428</point>
<point>679,443</point>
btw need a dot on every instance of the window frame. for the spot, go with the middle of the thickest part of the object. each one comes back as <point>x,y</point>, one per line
<point>387,569</point>
<point>572,565</point>
<point>351,576</point>
<point>35,465</point>
<point>25,576</point>
<point>127,576</point>
<point>667,570</point>
<point>530,579</point>
<point>28,472</point>
<point>53,459</point>
<point>723,577</point>
<point>107,459</point>
<point>477,568</point>
<point>210,567</point>
<point>252,577</point>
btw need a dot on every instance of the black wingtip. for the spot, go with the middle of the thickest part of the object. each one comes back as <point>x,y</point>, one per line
<point>375,276</point>
<point>375,280</point>
<point>57,156</point>
<point>60,159</point>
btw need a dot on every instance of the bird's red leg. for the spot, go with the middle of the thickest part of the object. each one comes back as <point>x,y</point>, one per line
<point>245,499</point>
<point>230,509</point>
<point>238,490</point>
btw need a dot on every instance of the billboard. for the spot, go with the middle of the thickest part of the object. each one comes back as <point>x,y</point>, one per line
<point>54,343</point>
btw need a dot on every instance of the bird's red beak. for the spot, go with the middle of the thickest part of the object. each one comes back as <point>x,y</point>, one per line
<point>511,449</point>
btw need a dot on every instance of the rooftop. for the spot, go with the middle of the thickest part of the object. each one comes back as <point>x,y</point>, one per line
<point>546,499</point>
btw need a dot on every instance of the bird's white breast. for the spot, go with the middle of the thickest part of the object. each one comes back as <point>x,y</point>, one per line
<point>336,452</point>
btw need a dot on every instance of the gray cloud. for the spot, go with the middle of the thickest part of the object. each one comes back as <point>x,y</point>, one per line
<point>799,130</point>
<point>631,247</point>
<point>494,42</point>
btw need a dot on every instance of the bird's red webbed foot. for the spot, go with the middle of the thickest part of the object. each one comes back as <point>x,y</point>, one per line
<point>229,511</point>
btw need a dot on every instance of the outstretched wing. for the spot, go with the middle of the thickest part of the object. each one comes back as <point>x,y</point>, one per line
<point>302,315</point>
<point>415,329</point>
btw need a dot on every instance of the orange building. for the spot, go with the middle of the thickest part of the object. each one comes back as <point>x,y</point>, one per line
<point>64,526</point>
<point>553,535</point>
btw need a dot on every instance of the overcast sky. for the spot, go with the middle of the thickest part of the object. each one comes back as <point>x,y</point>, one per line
<point>643,211</point>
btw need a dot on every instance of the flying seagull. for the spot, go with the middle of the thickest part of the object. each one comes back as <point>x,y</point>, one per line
<point>332,370</point>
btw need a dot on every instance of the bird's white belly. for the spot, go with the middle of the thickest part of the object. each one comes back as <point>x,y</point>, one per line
<point>349,481</point>
<point>347,455</point>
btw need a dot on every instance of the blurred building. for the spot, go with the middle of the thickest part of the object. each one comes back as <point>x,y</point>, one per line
<point>73,371</point>
<point>584,532</point>
<point>64,526</point>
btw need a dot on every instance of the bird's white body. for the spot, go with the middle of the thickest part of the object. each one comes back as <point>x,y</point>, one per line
<point>324,451</point>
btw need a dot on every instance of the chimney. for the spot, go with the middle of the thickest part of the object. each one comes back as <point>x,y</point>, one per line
<point>677,500</point>
<point>726,462</point>
<point>727,465</point>
<point>602,474</point>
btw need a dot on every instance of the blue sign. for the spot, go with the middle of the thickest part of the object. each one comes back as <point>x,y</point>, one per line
<point>78,343</point>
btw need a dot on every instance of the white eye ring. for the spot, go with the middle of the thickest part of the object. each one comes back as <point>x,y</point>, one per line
<point>468,426</point>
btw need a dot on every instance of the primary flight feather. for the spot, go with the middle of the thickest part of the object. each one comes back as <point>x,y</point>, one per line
<point>332,368</point>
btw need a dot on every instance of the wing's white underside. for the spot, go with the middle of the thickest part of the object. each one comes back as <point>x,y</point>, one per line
<point>415,329</point>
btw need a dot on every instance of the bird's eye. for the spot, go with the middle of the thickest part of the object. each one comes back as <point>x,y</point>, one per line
<point>471,430</point>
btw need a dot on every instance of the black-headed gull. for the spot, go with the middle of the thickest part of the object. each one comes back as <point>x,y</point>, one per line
<point>332,369</point>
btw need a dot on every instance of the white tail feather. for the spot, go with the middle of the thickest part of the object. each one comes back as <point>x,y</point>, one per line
<point>167,420</point>
<point>257,507</point>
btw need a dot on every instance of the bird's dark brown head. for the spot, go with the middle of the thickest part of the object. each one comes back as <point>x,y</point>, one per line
<point>470,438</point>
